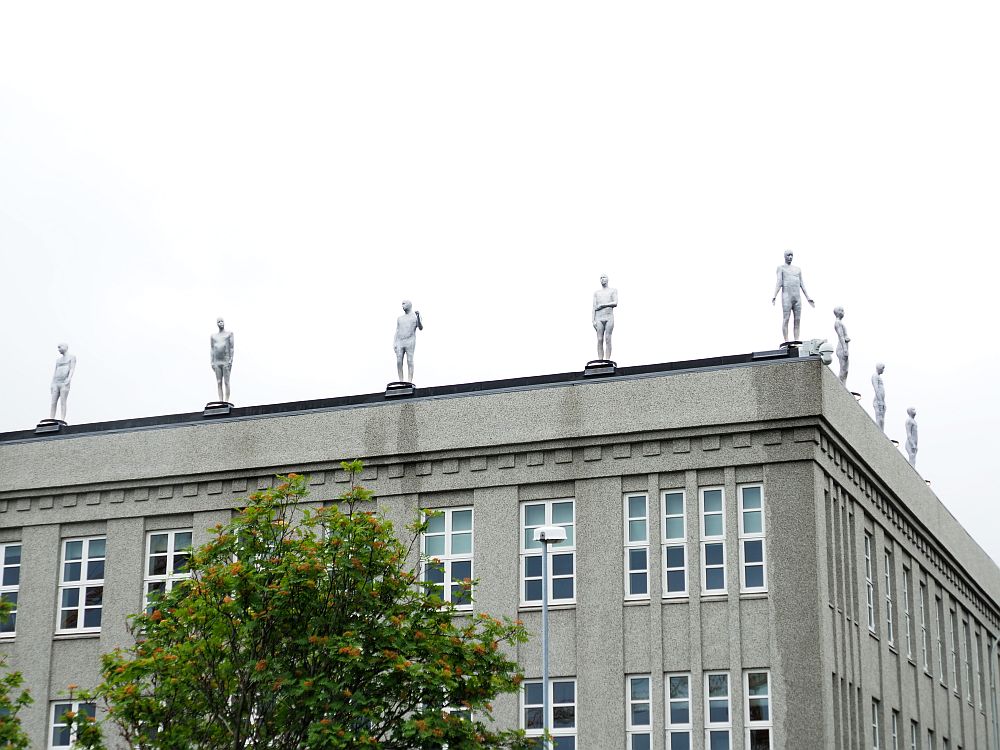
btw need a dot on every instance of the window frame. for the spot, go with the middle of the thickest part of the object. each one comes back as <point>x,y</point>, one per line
<point>638,730</point>
<point>941,635</point>
<point>745,537</point>
<point>707,540</point>
<point>925,636</point>
<point>449,558</point>
<point>718,726</point>
<point>170,578</point>
<point>673,543</point>
<point>55,722</point>
<point>10,589</point>
<point>556,733</point>
<point>680,728</point>
<point>556,549</point>
<point>876,724</point>
<point>894,736</point>
<point>908,609</point>
<point>890,623</point>
<point>870,584</point>
<point>967,645</point>
<point>631,545</point>
<point>759,724</point>
<point>80,585</point>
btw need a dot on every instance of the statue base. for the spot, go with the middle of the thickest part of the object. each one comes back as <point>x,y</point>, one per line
<point>217,409</point>
<point>792,347</point>
<point>49,425</point>
<point>857,396</point>
<point>398,389</point>
<point>596,367</point>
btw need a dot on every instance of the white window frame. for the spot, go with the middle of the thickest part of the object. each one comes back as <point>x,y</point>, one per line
<point>719,726</point>
<point>170,578</point>
<point>908,610</point>
<point>925,638</point>
<point>895,730</point>
<point>942,655</point>
<point>682,727</point>
<point>565,547</point>
<point>673,543</point>
<point>11,590</point>
<point>556,732</point>
<point>870,583</point>
<point>80,585</point>
<point>55,722</point>
<point>914,736</point>
<point>967,645</point>
<point>712,539</point>
<point>449,558</point>
<point>980,679</point>
<point>890,625</point>
<point>752,537</point>
<point>876,725</point>
<point>638,730</point>
<point>641,545</point>
<point>758,724</point>
<point>956,676</point>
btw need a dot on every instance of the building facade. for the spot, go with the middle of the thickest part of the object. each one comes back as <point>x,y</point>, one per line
<point>749,562</point>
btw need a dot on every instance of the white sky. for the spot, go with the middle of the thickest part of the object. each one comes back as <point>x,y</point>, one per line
<point>300,168</point>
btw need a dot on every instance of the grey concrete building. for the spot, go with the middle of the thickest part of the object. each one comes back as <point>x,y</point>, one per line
<point>749,562</point>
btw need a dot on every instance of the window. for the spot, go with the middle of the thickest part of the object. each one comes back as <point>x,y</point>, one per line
<point>81,585</point>
<point>954,653</point>
<point>979,670</point>
<point>876,725</point>
<point>166,561</point>
<point>894,737</point>
<point>752,545</point>
<point>969,677</point>
<point>562,712</point>
<point>446,549</point>
<point>890,627</point>
<point>924,635</point>
<point>562,568</point>
<point>62,735</point>
<point>10,581</point>
<point>942,657</point>
<point>636,547</point>
<point>678,712</point>
<point>713,541</point>
<point>674,548</point>
<point>870,582</point>
<point>639,719</point>
<point>758,710</point>
<point>930,740</point>
<point>914,736</point>
<point>718,720</point>
<point>907,609</point>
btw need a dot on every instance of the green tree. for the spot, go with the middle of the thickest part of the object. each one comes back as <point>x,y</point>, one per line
<point>308,629</point>
<point>12,736</point>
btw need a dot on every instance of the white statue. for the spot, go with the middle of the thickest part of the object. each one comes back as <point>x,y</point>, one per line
<point>879,402</point>
<point>842,341</point>
<point>911,436</point>
<point>605,302</point>
<point>405,341</point>
<point>222,358</point>
<point>61,379</point>
<point>789,283</point>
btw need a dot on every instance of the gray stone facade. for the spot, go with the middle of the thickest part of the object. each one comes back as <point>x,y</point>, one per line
<point>830,481</point>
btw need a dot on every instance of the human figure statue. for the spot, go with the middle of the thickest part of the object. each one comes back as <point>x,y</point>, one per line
<point>405,342</point>
<point>879,402</point>
<point>222,358</point>
<point>911,436</point>
<point>789,283</point>
<point>605,302</point>
<point>842,341</point>
<point>61,379</point>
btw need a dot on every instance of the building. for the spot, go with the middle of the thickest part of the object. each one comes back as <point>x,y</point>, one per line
<point>749,561</point>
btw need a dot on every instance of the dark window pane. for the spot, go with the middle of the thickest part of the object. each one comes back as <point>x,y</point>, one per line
<point>713,554</point>
<point>158,565</point>
<point>718,740</point>
<point>564,743</point>
<point>640,688</point>
<point>754,577</point>
<point>715,579</point>
<point>68,619</point>
<point>434,573</point>
<point>533,718</point>
<point>680,741</point>
<point>96,548</point>
<point>637,559</point>
<point>74,550</point>
<point>95,570</point>
<point>533,694</point>
<point>88,709</point>
<point>180,563</point>
<point>12,555</point>
<point>71,571</point>
<point>675,581</point>
<point>757,683</point>
<point>679,713</point>
<point>461,569</point>
<point>94,596</point>
<point>753,552</point>
<point>563,692</point>
<point>674,502</point>
<point>9,623</point>
<point>718,712</point>
<point>533,566</point>
<point>60,735</point>
<point>182,540</point>
<point>92,618</point>
<point>751,497</point>
<point>760,739</point>
<point>713,500</point>
<point>12,576</point>
<point>640,714</point>
<point>562,588</point>
<point>157,544</point>
<point>637,584</point>
<point>461,595</point>
<point>70,597</point>
<point>675,557</point>
<point>759,709</point>
<point>562,565</point>
<point>563,717</point>
<point>640,742</point>
<point>533,591</point>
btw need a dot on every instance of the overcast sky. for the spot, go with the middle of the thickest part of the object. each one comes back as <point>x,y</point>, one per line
<point>301,168</point>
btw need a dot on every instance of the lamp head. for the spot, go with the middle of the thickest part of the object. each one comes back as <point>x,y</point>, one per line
<point>550,534</point>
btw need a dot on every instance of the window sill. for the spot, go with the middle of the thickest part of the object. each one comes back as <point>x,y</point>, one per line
<point>721,597</point>
<point>893,649</point>
<point>636,602</point>
<point>874,635</point>
<point>74,636</point>
<point>754,595</point>
<point>676,599</point>
<point>538,607</point>
<point>7,637</point>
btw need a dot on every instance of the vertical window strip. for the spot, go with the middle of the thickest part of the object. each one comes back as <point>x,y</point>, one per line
<point>81,585</point>
<point>890,627</point>
<point>895,730</point>
<point>639,720</point>
<point>924,635</point>
<point>674,544</point>
<point>979,670</point>
<point>869,582</point>
<point>636,509</point>
<point>876,725</point>
<point>970,694</point>
<point>907,609</point>
<point>678,697</point>
<point>562,556</point>
<point>718,717</point>
<point>10,583</point>
<point>758,710</point>
<point>914,735</point>
<point>447,554</point>
<point>167,554</point>
<point>713,541</point>
<point>753,560</point>
<point>955,675</point>
<point>942,656</point>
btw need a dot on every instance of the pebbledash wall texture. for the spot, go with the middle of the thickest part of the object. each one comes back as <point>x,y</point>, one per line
<point>750,563</point>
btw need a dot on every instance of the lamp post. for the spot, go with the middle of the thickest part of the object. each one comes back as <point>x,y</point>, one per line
<point>546,535</point>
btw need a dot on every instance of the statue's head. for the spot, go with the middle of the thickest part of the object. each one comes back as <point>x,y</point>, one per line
<point>838,311</point>
<point>407,305</point>
<point>221,323</point>
<point>912,412</point>
<point>604,279</point>
<point>63,348</point>
<point>880,368</point>
<point>788,256</point>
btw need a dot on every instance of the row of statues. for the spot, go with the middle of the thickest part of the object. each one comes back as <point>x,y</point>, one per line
<point>789,283</point>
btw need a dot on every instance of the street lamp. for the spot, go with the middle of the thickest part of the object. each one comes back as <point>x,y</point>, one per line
<point>546,535</point>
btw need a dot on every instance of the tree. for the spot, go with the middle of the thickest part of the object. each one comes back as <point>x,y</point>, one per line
<point>12,736</point>
<point>307,629</point>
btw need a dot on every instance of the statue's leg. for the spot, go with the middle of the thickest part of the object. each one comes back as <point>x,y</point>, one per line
<point>399,364</point>
<point>55,401</point>
<point>796,313</point>
<point>609,328</point>
<point>784,324</point>
<point>63,398</point>
<point>226,381</point>
<point>409,366</point>
<point>599,327</point>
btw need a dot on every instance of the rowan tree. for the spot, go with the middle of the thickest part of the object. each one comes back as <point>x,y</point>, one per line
<point>12,700</point>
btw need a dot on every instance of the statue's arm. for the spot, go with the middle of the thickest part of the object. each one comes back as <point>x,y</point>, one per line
<point>72,367</point>
<point>614,298</point>
<point>420,323</point>
<point>777,285</point>
<point>802,286</point>
<point>595,307</point>
<point>232,346</point>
